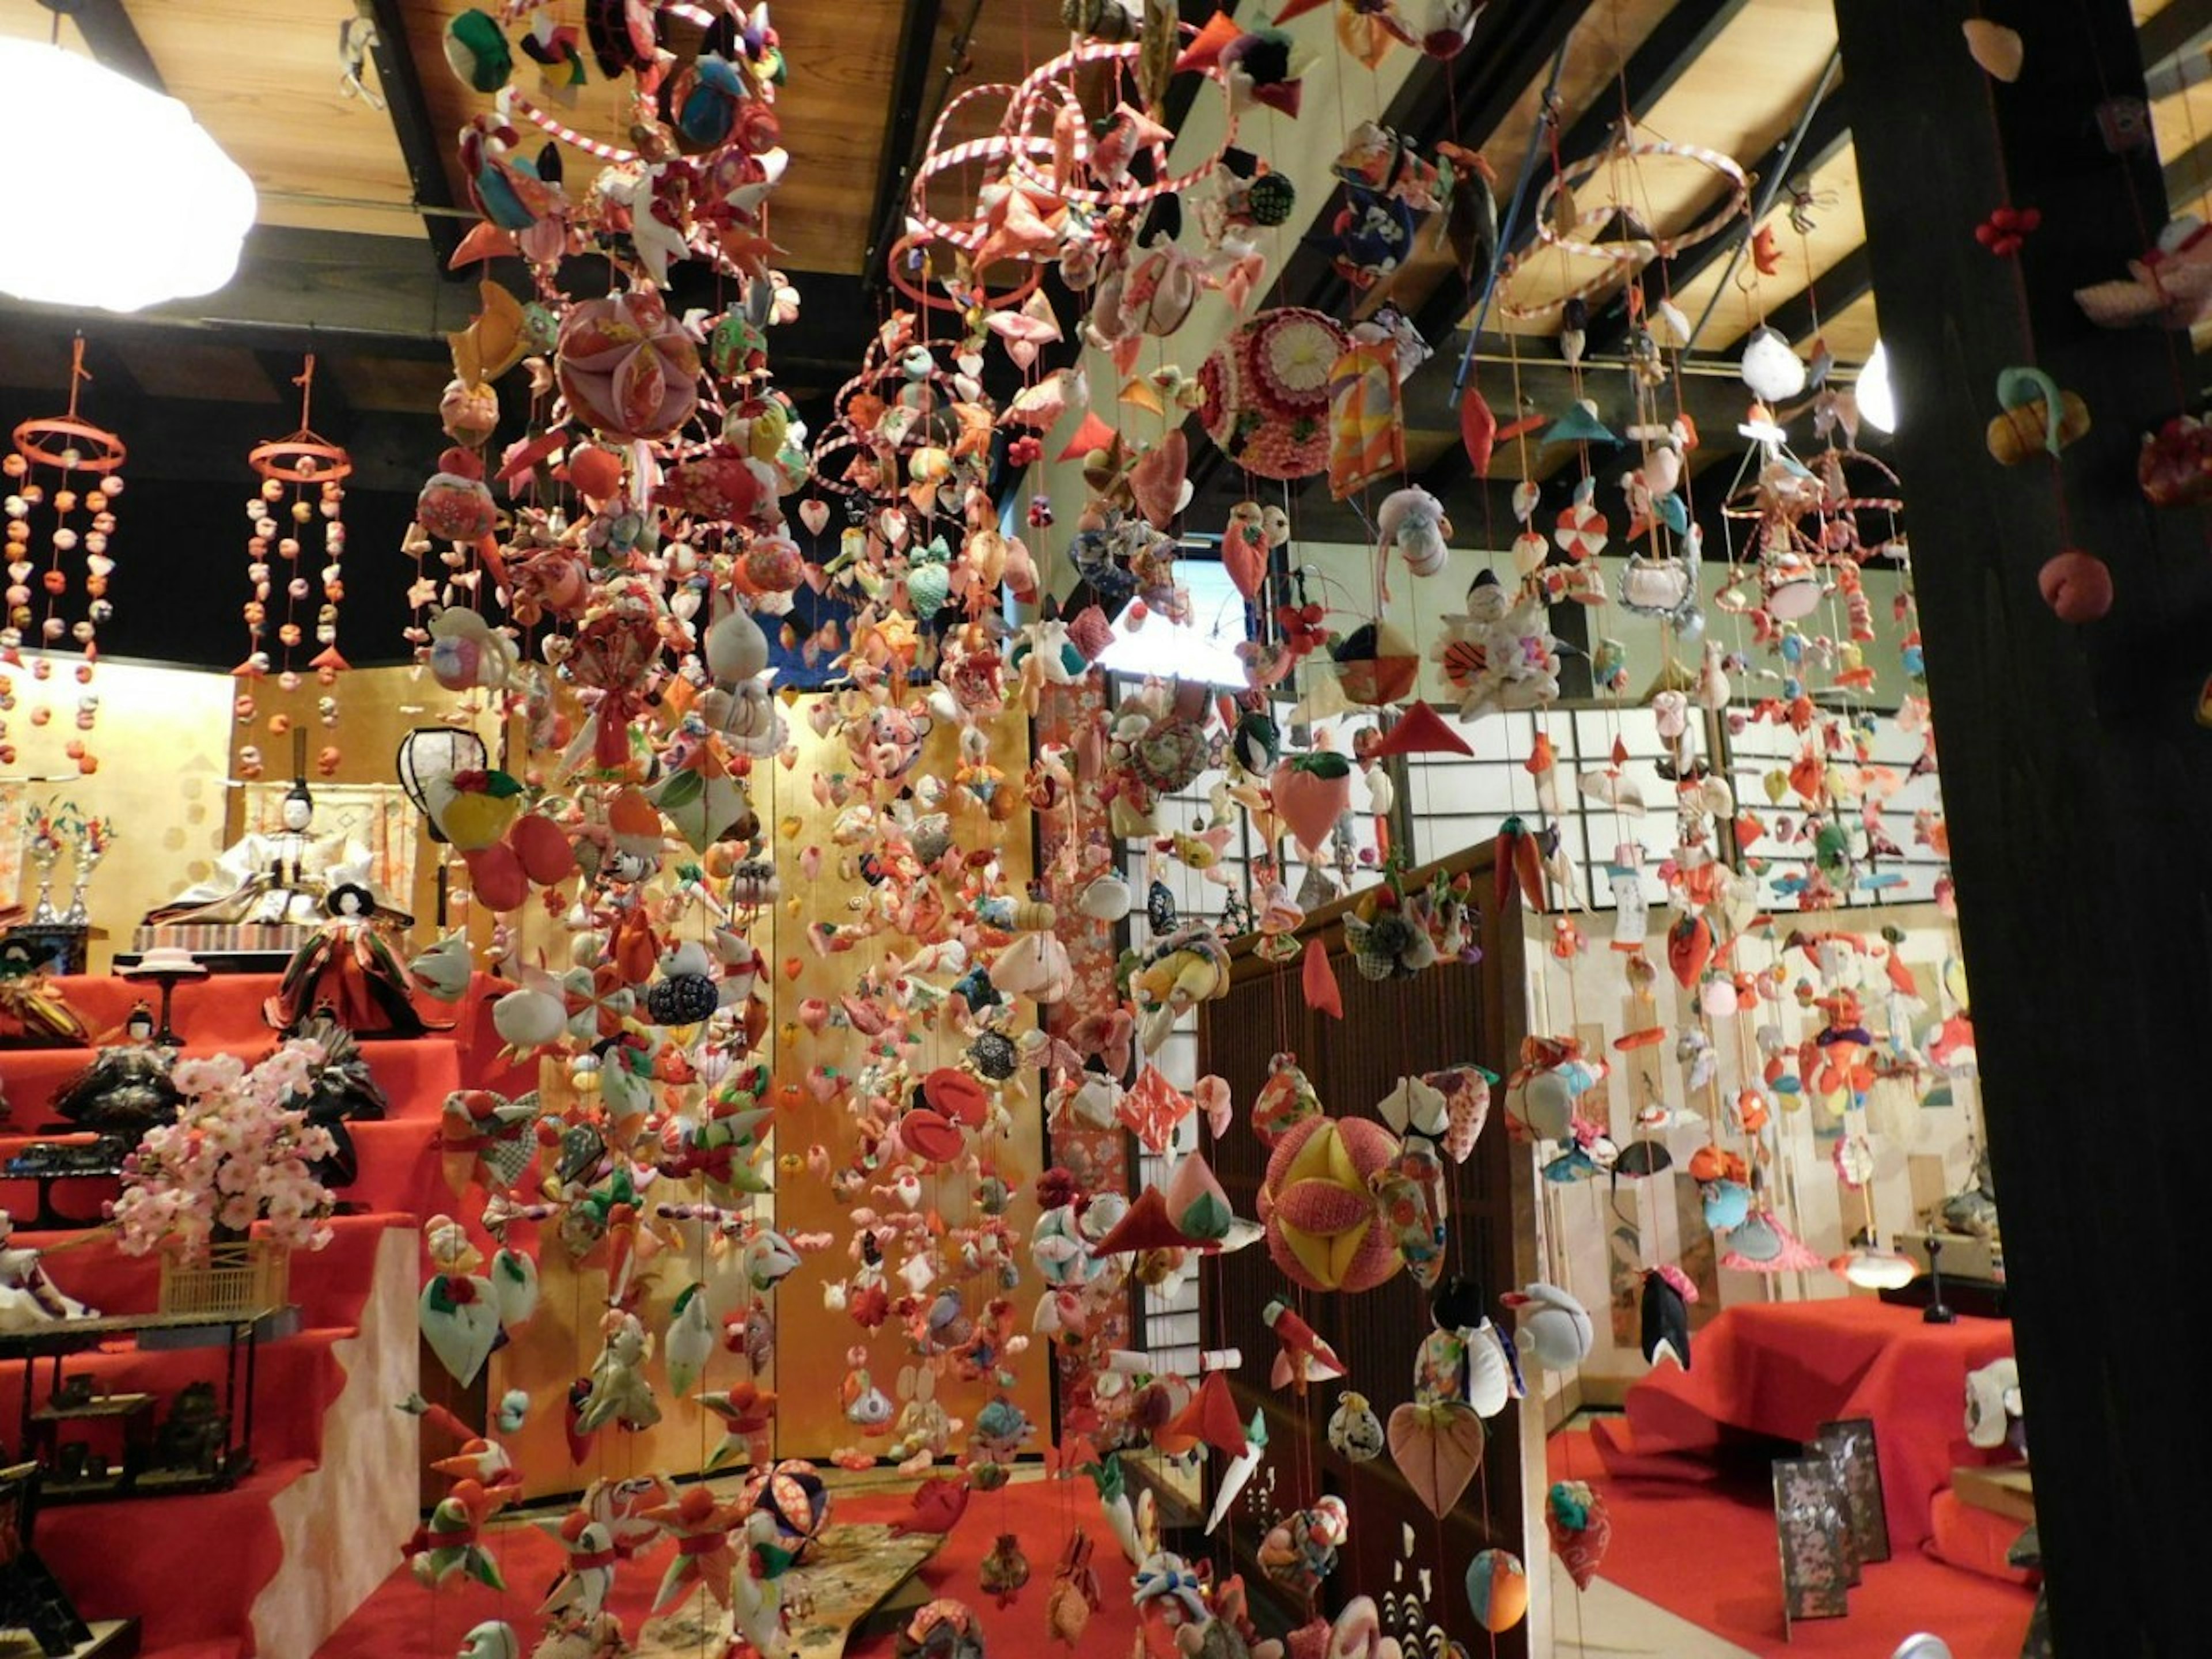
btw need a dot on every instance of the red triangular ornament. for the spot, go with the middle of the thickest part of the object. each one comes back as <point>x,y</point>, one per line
<point>1421,731</point>
<point>1318,980</point>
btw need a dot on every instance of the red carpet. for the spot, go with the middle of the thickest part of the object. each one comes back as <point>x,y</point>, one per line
<point>403,1620</point>
<point>1707,1553</point>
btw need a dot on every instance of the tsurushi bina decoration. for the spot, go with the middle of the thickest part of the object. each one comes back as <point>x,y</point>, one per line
<point>65,469</point>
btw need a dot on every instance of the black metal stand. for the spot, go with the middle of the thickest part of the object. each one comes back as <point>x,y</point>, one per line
<point>1935,1313</point>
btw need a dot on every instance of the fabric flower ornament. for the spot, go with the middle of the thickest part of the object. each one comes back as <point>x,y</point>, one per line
<point>2006,228</point>
<point>627,368</point>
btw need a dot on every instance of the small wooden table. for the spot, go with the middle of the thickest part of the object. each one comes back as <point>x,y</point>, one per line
<point>56,1341</point>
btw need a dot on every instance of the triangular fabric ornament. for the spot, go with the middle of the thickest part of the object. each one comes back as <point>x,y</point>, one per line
<point>1318,980</point>
<point>1421,731</point>
<point>1478,430</point>
<point>1210,1418</point>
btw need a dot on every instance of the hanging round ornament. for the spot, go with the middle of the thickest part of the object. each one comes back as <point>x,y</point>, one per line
<point>1264,393</point>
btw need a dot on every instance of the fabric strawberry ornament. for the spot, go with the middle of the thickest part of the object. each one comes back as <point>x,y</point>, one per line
<point>1689,947</point>
<point>1310,792</point>
<point>1581,1528</point>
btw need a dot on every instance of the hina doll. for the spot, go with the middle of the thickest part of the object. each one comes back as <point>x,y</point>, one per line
<point>347,971</point>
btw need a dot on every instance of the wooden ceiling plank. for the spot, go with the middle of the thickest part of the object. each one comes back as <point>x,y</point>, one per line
<point>1839,286</point>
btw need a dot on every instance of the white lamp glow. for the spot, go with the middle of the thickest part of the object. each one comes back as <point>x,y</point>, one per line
<point>1202,649</point>
<point>1872,1268</point>
<point>118,199</point>
<point>1877,402</point>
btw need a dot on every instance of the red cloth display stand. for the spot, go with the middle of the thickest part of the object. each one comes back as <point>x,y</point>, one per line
<point>192,1567</point>
<point>1781,1369</point>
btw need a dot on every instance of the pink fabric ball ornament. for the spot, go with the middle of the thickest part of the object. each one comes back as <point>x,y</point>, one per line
<point>628,369</point>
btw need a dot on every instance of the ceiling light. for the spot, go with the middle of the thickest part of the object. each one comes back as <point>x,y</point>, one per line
<point>1877,402</point>
<point>118,199</point>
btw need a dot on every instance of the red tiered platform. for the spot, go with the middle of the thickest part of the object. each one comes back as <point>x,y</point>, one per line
<point>261,1568</point>
<point>1781,1369</point>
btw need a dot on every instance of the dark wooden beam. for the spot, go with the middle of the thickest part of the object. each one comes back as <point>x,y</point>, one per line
<point>113,37</point>
<point>422,145</point>
<point>1824,135</point>
<point>2189,175</point>
<point>1650,74</point>
<point>329,413</point>
<point>2060,743</point>
<point>1463,100</point>
<point>914,85</point>
<point>2176,34</point>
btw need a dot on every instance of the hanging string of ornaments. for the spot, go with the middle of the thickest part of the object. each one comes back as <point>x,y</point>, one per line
<point>302,491</point>
<point>68,470</point>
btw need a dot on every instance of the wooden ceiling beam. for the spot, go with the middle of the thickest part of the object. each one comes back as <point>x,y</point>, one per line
<point>331,411</point>
<point>913,86</point>
<point>422,145</point>
<point>1509,50</point>
<point>113,37</point>
<point>1465,98</point>
<point>2169,41</point>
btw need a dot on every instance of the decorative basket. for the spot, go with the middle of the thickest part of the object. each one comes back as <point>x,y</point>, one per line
<point>232,1276</point>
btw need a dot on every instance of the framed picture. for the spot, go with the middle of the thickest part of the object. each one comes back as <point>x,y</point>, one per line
<point>1850,1446</point>
<point>1818,1564</point>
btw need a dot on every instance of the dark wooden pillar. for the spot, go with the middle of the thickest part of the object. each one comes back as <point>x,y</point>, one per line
<point>2078,785</point>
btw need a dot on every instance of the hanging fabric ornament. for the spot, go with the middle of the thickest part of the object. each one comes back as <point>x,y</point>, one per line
<point>302,485</point>
<point>86,459</point>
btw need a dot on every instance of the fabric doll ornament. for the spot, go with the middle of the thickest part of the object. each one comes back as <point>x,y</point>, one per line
<point>1317,981</point>
<point>705,1558</point>
<point>627,368</point>
<point>1466,1091</point>
<point>1575,1518</point>
<point>1413,522</point>
<point>1664,1314</point>
<point>448,1543</point>
<point>1285,1100</point>
<point>1437,1445</point>
<point>1310,792</point>
<point>457,1309</point>
<point>1377,664</point>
